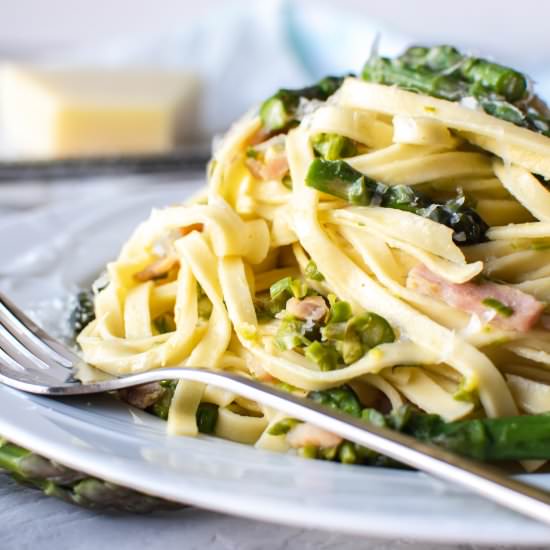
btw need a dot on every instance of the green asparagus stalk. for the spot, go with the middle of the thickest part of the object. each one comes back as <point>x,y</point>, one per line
<point>444,72</point>
<point>503,110</point>
<point>417,79</point>
<point>491,77</point>
<point>278,112</point>
<point>488,439</point>
<point>438,58</point>
<point>498,79</point>
<point>341,180</point>
<point>74,487</point>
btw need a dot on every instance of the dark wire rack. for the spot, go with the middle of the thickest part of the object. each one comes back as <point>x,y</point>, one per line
<point>178,161</point>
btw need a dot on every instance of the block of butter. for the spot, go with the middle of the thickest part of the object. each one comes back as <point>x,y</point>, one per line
<point>49,113</point>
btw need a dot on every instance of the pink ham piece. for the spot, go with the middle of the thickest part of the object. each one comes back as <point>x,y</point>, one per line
<point>308,434</point>
<point>274,168</point>
<point>525,311</point>
<point>311,308</point>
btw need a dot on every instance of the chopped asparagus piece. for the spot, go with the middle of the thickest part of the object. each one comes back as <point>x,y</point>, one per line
<point>291,334</point>
<point>311,272</point>
<point>347,453</point>
<point>309,451</point>
<point>340,312</point>
<point>267,308</point>
<point>207,416</point>
<point>164,323</point>
<point>288,287</point>
<point>333,146</point>
<point>323,354</point>
<point>283,426</point>
<point>278,113</point>
<point>338,178</point>
<point>363,332</point>
<point>342,398</point>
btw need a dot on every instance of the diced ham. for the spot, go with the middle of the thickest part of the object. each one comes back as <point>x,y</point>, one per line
<point>158,268</point>
<point>274,167</point>
<point>524,312</point>
<point>311,308</point>
<point>256,167</point>
<point>308,434</point>
<point>142,396</point>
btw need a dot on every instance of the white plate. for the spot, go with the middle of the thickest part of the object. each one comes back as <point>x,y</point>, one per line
<point>45,255</point>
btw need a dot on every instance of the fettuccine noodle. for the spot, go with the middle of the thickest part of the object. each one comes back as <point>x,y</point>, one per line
<point>202,268</point>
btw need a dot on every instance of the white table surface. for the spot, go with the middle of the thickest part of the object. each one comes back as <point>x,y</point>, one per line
<point>30,520</point>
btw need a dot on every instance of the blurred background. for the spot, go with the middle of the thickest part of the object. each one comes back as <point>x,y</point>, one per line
<point>80,65</point>
<point>515,32</point>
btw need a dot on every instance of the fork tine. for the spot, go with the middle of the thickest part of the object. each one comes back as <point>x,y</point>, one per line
<point>32,337</point>
<point>12,370</point>
<point>18,352</point>
<point>31,368</point>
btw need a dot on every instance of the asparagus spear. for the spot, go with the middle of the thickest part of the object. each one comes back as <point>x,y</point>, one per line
<point>444,72</point>
<point>417,79</point>
<point>513,438</point>
<point>74,487</point>
<point>439,58</point>
<point>278,112</point>
<point>501,80</point>
<point>491,77</point>
<point>341,180</point>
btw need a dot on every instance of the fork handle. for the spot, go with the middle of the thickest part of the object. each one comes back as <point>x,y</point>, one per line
<point>475,476</point>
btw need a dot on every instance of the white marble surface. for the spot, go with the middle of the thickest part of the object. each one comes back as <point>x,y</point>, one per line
<point>29,520</point>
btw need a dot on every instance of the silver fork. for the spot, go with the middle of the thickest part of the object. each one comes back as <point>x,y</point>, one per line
<point>34,362</point>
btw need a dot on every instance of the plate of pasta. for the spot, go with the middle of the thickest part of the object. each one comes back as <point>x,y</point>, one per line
<point>378,243</point>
